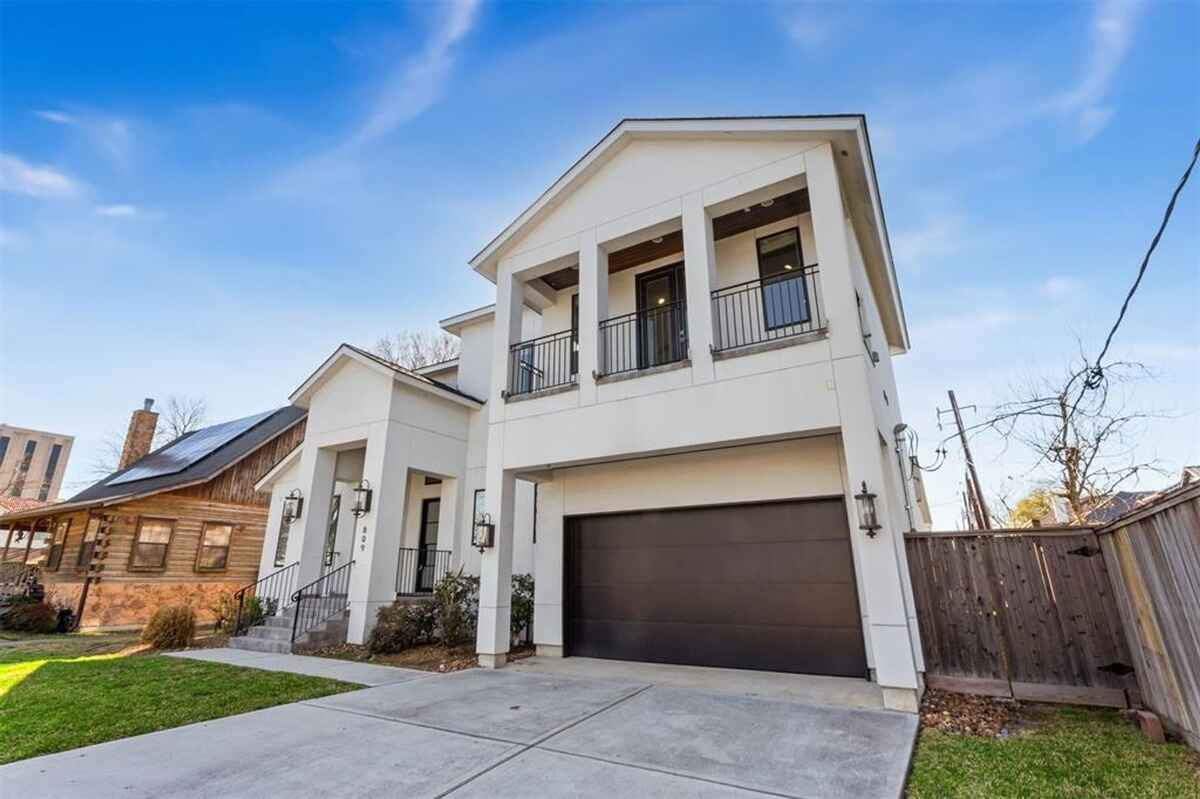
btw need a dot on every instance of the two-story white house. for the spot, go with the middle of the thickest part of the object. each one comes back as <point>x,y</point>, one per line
<point>679,415</point>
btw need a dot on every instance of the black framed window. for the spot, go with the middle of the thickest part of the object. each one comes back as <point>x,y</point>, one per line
<point>575,333</point>
<point>213,552</point>
<point>335,513</point>
<point>51,465</point>
<point>781,269</point>
<point>3,448</point>
<point>281,541</point>
<point>150,545</point>
<point>662,316</point>
<point>88,544</point>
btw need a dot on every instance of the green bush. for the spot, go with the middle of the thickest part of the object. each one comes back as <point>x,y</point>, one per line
<point>171,627</point>
<point>522,605</point>
<point>400,626</point>
<point>456,605</point>
<point>29,616</point>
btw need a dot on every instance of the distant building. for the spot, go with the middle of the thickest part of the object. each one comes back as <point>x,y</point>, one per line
<point>32,462</point>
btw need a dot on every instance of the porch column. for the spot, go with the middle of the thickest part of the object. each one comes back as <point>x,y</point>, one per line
<point>316,482</point>
<point>495,567</point>
<point>865,446</point>
<point>593,308</point>
<point>548,571</point>
<point>510,304</point>
<point>448,518</point>
<point>375,546</point>
<point>700,274</point>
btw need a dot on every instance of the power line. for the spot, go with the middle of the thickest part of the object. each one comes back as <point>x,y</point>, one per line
<point>1097,376</point>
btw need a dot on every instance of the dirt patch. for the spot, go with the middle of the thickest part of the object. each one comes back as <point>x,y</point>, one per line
<point>430,657</point>
<point>966,714</point>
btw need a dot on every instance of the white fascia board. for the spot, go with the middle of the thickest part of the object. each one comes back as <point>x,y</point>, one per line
<point>455,324</point>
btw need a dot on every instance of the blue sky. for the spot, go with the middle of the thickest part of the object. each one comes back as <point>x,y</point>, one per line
<point>205,199</point>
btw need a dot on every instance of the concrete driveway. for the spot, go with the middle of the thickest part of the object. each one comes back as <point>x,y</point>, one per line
<point>498,734</point>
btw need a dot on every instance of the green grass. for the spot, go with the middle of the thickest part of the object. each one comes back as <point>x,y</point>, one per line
<point>69,691</point>
<point>1070,753</point>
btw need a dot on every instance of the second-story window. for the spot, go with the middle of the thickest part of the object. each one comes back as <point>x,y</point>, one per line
<point>781,269</point>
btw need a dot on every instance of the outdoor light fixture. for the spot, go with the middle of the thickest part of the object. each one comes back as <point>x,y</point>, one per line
<point>483,534</point>
<point>868,519</point>
<point>293,506</point>
<point>362,499</point>
<point>657,239</point>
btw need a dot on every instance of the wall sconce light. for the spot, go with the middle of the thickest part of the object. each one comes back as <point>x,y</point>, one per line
<point>293,506</point>
<point>868,518</point>
<point>483,534</point>
<point>362,499</point>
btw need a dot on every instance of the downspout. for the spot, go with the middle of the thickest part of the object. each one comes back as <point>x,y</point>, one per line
<point>896,431</point>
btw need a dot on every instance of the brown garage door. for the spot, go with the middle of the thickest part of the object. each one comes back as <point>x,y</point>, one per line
<point>765,586</point>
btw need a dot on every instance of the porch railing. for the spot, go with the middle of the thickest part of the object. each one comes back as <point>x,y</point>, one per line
<point>322,599</point>
<point>420,569</point>
<point>644,339</point>
<point>271,593</point>
<point>543,362</point>
<point>760,311</point>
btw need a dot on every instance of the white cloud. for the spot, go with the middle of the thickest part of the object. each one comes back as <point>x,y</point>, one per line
<point>112,135</point>
<point>939,235</point>
<point>1112,29</point>
<point>1058,287</point>
<point>57,117</point>
<point>120,210</point>
<point>21,177</point>
<point>416,85</point>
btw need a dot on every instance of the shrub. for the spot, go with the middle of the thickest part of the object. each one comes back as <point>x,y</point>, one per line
<point>456,604</point>
<point>400,626</point>
<point>30,616</point>
<point>253,612</point>
<point>522,605</point>
<point>224,610</point>
<point>171,627</point>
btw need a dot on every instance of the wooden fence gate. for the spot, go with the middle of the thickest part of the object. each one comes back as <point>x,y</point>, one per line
<point>1022,613</point>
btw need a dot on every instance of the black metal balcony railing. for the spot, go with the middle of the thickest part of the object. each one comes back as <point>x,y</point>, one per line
<point>543,362</point>
<point>644,339</point>
<point>759,311</point>
<point>420,569</point>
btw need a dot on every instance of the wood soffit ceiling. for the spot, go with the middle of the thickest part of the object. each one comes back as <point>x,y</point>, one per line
<point>731,224</point>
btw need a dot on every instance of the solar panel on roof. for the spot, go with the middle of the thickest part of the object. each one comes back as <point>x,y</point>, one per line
<point>181,454</point>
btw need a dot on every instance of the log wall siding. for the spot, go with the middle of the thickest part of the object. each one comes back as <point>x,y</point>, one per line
<point>1017,613</point>
<point>1155,557</point>
<point>236,484</point>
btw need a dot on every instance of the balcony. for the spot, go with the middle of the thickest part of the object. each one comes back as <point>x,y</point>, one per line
<point>420,569</point>
<point>765,311</point>
<point>544,363</point>
<point>645,339</point>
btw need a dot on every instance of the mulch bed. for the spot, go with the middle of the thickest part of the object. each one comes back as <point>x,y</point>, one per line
<point>967,714</point>
<point>429,657</point>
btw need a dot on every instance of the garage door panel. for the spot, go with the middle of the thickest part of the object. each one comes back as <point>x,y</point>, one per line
<point>765,586</point>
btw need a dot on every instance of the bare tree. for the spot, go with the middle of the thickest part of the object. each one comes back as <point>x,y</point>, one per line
<point>178,416</point>
<point>1082,430</point>
<point>413,349</point>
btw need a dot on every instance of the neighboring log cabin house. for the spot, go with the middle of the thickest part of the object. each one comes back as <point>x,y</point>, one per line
<point>182,524</point>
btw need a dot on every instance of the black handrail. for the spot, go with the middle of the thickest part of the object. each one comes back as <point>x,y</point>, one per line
<point>643,339</point>
<point>320,600</point>
<point>769,309</point>
<point>271,592</point>
<point>420,569</point>
<point>543,362</point>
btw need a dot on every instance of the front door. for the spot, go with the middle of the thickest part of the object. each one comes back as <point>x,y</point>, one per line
<point>662,317</point>
<point>427,546</point>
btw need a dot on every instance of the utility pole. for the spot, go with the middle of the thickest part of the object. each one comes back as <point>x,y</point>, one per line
<point>980,506</point>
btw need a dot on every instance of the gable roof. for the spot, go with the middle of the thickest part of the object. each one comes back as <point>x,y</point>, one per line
<point>392,370</point>
<point>111,489</point>
<point>849,132</point>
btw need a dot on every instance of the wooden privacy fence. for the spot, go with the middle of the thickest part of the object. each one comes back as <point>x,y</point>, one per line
<point>1154,557</point>
<point>1024,613</point>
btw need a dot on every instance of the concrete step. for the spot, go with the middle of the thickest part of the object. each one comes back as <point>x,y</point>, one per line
<point>282,621</point>
<point>261,645</point>
<point>270,633</point>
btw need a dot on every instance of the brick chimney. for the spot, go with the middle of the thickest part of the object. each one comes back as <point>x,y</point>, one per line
<point>140,435</point>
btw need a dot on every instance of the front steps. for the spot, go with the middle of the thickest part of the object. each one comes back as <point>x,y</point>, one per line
<point>274,635</point>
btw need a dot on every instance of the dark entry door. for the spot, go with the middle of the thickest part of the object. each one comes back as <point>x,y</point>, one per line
<point>765,586</point>
<point>662,317</point>
<point>427,546</point>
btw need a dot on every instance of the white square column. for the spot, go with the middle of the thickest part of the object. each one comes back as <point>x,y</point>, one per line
<point>448,514</point>
<point>548,571</point>
<point>494,635</point>
<point>316,480</point>
<point>865,445</point>
<point>700,274</point>
<point>510,305</point>
<point>593,308</point>
<point>375,546</point>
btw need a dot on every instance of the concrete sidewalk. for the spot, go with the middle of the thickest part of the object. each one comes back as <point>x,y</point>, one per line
<point>480,733</point>
<point>345,670</point>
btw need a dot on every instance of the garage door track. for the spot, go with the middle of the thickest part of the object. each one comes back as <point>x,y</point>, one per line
<point>498,734</point>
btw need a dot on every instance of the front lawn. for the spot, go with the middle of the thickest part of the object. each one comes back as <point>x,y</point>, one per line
<point>1052,751</point>
<point>68,691</point>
